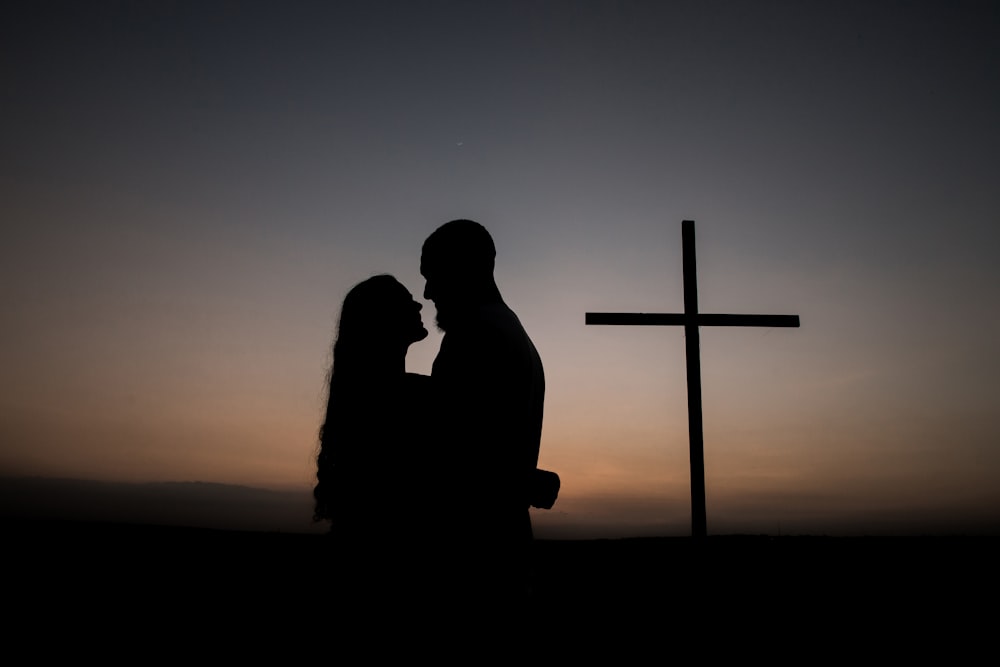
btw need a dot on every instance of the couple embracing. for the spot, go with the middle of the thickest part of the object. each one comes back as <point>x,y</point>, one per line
<point>427,480</point>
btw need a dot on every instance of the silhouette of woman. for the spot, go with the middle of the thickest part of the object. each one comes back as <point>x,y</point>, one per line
<point>372,467</point>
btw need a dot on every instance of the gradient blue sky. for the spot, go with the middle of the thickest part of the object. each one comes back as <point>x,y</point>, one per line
<point>188,189</point>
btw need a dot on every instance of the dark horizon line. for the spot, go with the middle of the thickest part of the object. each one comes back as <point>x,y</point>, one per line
<point>222,506</point>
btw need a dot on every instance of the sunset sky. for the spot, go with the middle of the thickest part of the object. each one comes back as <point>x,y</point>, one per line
<point>189,189</point>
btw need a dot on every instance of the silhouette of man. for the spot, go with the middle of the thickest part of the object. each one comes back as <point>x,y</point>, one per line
<point>491,385</point>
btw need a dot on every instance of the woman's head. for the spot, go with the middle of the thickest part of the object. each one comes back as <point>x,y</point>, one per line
<point>380,312</point>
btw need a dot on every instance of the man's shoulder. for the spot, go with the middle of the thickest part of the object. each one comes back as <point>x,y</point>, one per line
<point>501,319</point>
<point>484,321</point>
<point>492,334</point>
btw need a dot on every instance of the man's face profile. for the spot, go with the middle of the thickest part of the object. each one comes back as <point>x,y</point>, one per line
<point>435,290</point>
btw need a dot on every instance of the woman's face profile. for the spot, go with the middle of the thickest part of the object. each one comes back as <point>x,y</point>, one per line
<point>403,314</point>
<point>382,309</point>
<point>414,324</point>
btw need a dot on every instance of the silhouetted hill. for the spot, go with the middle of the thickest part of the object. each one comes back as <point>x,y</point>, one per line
<point>189,504</point>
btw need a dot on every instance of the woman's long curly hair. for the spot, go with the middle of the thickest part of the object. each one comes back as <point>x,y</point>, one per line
<point>362,333</point>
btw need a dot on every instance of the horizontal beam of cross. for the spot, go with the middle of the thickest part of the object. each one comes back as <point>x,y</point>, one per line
<point>700,319</point>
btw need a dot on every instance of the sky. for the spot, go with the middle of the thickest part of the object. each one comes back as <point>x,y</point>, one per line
<point>189,189</point>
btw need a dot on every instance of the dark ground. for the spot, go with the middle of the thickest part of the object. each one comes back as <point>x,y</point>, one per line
<point>900,596</point>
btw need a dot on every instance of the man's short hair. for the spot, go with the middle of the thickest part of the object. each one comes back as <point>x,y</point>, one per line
<point>460,246</point>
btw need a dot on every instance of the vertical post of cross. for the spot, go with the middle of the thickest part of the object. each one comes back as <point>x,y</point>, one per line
<point>699,526</point>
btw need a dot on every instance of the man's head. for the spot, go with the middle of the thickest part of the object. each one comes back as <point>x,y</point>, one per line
<point>457,262</point>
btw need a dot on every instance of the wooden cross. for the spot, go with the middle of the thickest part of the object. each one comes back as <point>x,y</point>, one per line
<point>691,319</point>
